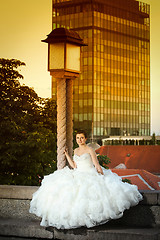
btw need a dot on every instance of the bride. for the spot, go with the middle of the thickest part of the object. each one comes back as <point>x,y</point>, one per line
<point>86,195</point>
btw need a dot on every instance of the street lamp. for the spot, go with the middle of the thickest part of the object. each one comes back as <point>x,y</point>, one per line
<point>64,52</point>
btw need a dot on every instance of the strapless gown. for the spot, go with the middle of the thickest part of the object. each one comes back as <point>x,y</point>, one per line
<point>82,197</point>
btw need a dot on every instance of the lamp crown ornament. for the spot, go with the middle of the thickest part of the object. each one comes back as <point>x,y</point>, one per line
<point>59,35</point>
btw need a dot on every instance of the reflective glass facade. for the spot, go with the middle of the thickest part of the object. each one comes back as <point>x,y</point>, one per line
<point>112,94</point>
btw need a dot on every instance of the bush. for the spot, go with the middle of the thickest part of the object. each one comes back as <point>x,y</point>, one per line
<point>103,161</point>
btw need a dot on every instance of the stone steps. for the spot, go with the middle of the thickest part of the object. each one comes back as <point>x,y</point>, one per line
<point>109,233</point>
<point>141,222</point>
<point>23,228</point>
<point>31,229</point>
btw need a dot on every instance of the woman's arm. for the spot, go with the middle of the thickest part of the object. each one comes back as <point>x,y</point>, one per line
<point>95,161</point>
<point>70,161</point>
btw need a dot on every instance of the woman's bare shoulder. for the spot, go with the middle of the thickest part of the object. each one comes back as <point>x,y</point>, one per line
<point>76,150</point>
<point>91,150</point>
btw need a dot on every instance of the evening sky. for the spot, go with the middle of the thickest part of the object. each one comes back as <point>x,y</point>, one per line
<point>24,23</point>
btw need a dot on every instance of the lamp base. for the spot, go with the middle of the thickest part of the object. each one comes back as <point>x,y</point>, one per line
<point>64,74</point>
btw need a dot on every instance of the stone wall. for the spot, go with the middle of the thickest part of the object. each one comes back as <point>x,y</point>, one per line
<point>145,214</point>
<point>15,219</point>
<point>15,200</point>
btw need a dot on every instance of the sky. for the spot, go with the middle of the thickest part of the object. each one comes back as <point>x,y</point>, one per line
<point>24,23</point>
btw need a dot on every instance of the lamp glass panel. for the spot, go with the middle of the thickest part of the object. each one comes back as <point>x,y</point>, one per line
<point>56,56</point>
<point>72,57</point>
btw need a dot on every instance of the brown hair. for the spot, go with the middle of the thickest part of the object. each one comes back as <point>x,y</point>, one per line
<point>81,132</point>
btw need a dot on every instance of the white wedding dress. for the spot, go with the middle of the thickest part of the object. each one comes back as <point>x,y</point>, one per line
<point>82,197</point>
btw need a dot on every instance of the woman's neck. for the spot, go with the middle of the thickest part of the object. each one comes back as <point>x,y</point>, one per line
<point>82,146</point>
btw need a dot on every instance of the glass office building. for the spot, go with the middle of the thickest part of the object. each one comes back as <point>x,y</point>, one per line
<point>112,94</point>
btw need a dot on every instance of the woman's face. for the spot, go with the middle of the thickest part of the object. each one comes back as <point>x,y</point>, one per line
<point>80,139</point>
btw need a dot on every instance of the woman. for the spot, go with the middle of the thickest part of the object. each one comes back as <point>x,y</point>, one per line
<point>81,138</point>
<point>86,195</point>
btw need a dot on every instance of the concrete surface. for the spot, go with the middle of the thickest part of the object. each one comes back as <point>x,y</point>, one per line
<point>141,222</point>
<point>107,233</point>
<point>23,228</point>
<point>32,229</point>
<point>17,192</point>
<point>16,208</point>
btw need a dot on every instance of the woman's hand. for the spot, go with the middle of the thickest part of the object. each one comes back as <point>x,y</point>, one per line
<point>66,151</point>
<point>70,161</point>
<point>99,169</point>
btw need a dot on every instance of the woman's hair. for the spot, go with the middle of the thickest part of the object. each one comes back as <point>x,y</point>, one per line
<point>81,132</point>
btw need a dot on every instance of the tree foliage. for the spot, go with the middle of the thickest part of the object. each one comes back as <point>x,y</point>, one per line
<point>28,129</point>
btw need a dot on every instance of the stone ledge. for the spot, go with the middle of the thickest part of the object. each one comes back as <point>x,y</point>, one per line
<point>16,208</point>
<point>23,228</point>
<point>105,232</point>
<point>15,202</point>
<point>32,229</point>
<point>151,197</point>
<point>17,192</point>
<point>159,199</point>
<point>139,216</point>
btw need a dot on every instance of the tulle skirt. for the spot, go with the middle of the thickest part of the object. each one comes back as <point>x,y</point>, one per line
<point>71,198</point>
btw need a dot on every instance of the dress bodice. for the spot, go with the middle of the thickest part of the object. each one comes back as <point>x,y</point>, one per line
<point>83,162</point>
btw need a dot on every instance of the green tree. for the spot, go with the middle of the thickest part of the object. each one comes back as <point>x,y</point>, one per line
<point>49,114</point>
<point>28,129</point>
